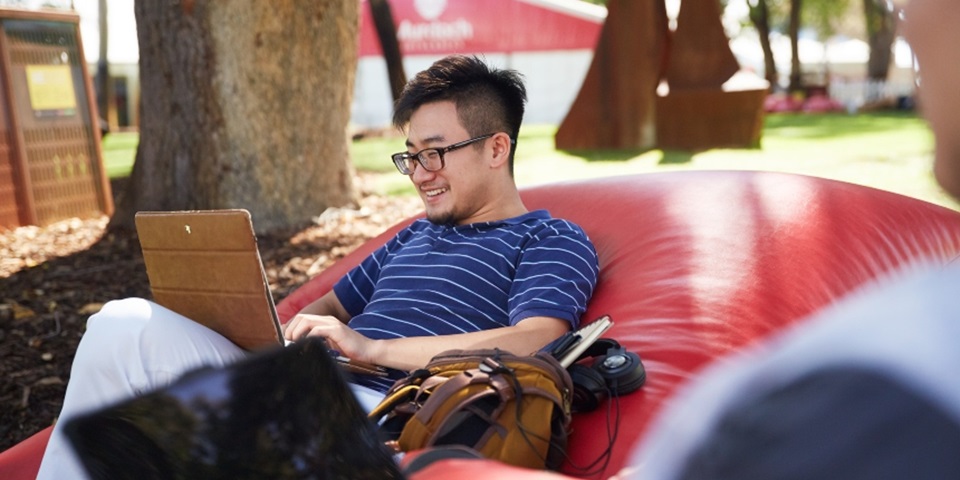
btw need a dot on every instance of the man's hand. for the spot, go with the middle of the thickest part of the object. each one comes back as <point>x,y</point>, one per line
<point>339,336</point>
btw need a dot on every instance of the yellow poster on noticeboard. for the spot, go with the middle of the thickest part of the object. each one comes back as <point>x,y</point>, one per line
<point>51,88</point>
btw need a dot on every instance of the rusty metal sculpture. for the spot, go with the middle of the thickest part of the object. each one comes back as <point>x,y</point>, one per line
<point>650,87</point>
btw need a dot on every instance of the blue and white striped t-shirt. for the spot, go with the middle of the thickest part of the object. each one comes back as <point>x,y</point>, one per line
<point>441,279</point>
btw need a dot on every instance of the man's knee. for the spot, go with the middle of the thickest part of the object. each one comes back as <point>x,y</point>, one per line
<point>111,333</point>
<point>148,344</point>
<point>118,319</point>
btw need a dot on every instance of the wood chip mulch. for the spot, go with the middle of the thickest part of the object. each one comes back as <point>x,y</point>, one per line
<point>53,278</point>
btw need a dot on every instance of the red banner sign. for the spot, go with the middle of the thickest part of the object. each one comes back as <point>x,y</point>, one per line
<point>431,27</point>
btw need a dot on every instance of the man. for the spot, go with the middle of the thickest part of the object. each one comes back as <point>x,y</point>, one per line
<point>480,272</point>
<point>866,389</point>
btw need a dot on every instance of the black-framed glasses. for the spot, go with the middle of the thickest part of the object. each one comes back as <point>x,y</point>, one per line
<point>431,159</point>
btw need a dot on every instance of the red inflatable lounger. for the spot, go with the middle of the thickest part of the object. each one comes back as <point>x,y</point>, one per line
<point>693,266</point>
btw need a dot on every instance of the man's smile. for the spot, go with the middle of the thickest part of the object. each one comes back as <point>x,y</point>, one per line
<point>434,192</point>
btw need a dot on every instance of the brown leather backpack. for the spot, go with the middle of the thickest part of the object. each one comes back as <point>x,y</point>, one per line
<point>515,409</point>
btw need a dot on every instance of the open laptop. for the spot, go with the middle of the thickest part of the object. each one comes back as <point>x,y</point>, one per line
<point>280,413</point>
<point>205,265</point>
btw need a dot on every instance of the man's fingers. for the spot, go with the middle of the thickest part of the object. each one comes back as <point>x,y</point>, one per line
<point>303,325</point>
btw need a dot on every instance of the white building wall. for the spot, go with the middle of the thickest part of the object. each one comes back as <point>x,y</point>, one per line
<point>553,80</point>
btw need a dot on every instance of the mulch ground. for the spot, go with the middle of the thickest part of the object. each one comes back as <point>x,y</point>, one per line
<point>53,278</point>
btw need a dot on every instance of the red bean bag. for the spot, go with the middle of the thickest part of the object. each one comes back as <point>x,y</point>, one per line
<point>693,265</point>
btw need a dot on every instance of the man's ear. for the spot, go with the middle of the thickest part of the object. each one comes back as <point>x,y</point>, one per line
<point>501,150</point>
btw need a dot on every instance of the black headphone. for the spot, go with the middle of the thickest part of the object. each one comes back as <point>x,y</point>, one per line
<point>614,372</point>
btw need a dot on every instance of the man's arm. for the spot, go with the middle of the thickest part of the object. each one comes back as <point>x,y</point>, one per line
<point>524,338</point>
<point>410,353</point>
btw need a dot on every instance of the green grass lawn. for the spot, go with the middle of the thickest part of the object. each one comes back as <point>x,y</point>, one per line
<point>891,151</point>
<point>119,151</point>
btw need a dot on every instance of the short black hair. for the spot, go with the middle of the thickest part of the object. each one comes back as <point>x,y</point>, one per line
<point>488,99</point>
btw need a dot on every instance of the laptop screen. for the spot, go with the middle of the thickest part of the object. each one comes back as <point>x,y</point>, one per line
<point>281,413</point>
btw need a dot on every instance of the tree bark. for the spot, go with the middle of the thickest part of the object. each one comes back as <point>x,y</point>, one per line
<point>245,104</point>
<point>760,17</point>
<point>616,104</point>
<point>387,33</point>
<point>881,32</point>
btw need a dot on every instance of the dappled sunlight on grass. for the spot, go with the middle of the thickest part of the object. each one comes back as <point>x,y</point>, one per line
<point>888,150</point>
<point>834,125</point>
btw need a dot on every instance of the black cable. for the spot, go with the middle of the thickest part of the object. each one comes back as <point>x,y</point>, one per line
<point>591,468</point>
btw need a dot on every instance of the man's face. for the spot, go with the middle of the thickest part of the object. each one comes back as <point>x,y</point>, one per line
<point>456,194</point>
<point>932,28</point>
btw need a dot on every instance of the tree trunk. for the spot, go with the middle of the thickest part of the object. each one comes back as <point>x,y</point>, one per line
<point>796,79</point>
<point>387,33</point>
<point>106,105</point>
<point>616,104</point>
<point>881,32</point>
<point>760,16</point>
<point>245,105</point>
